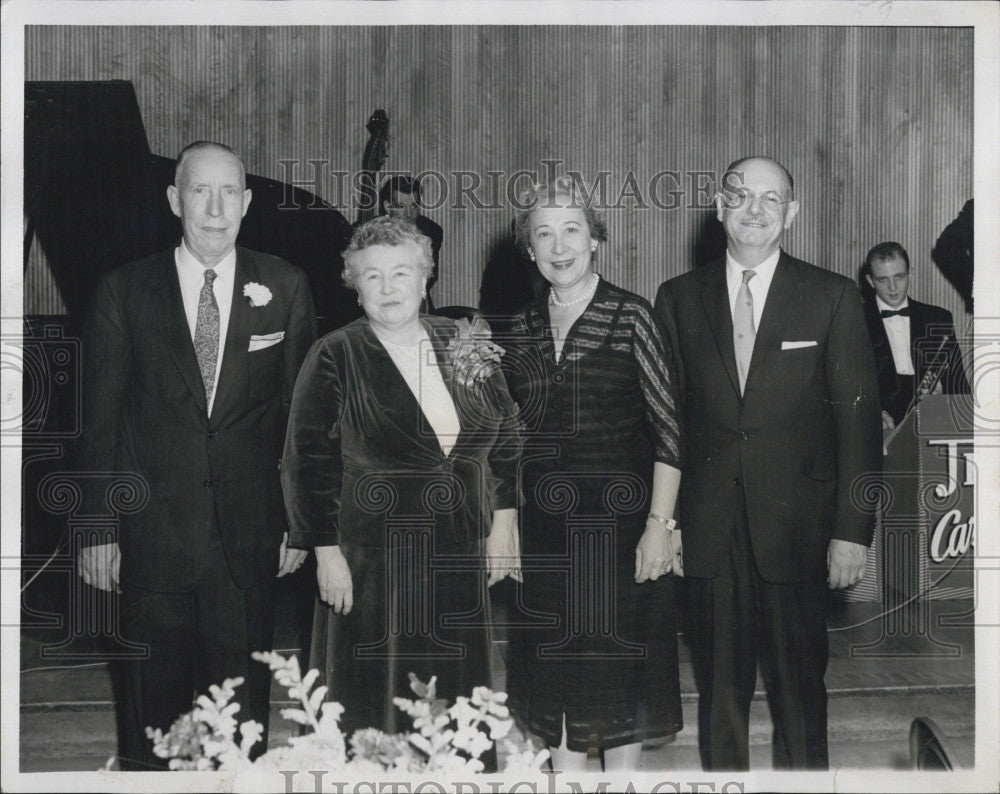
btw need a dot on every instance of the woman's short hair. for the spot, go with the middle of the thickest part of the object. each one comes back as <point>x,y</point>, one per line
<point>386,230</point>
<point>562,192</point>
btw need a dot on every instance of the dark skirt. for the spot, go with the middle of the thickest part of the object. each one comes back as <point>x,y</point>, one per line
<point>595,647</point>
<point>413,612</point>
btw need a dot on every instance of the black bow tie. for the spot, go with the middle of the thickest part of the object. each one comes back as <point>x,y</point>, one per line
<point>904,312</point>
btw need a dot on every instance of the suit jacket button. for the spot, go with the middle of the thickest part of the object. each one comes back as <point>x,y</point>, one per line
<point>737,481</point>
<point>206,483</point>
<point>744,435</point>
<point>212,433</point>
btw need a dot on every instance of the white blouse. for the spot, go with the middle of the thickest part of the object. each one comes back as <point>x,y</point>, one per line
<point>419,368</point>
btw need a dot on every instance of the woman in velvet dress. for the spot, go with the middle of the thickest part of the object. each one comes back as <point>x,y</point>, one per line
<point>595,662</point>
<point>400,470</point>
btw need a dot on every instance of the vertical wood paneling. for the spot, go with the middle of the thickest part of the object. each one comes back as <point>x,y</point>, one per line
<point>875,123</point>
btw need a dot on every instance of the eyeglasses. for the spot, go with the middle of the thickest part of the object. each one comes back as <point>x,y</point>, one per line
<point>734,199</point>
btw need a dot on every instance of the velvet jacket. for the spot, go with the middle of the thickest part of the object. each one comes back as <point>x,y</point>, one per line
<point>361,457</point>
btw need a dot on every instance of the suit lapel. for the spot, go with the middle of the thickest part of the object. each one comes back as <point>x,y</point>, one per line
<point>174,328</point>
<point>885,362</point>
<point>876,327</point>
<point>782,297</point>
<point>715,299</point>
<point>917,330</point>
<point>440,336</point>
<point>394,399</point>
<point>234,356</point>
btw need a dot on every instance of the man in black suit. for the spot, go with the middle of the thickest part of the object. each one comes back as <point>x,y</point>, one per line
<point>190,360</point>
<point>911,339</point>
<point>780,413</point>
<point>399,197</point>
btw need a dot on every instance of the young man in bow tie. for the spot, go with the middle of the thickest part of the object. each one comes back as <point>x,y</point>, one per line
<point>190,357</point>
<point>908,337</point>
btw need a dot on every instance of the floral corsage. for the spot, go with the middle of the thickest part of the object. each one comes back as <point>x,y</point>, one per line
<point>473,356</point>
<point>258,294</point>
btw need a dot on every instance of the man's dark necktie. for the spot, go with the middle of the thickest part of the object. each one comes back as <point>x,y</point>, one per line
<point>744,332</point>
<point>904,312</point>
<point>206,334</point>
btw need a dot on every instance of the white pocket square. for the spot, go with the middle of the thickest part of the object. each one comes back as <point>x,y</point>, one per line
<point>261,341</point>
<point>797,345</point>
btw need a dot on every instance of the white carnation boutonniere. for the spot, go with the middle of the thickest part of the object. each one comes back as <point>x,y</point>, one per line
<point>258,294</point>
<point>474,356</point>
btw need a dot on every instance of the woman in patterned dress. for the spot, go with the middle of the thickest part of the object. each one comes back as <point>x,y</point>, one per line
<point>594,659</point>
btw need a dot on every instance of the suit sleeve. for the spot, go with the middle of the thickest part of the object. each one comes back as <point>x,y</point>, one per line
<point>299,337</point>
<point>311,466</point>
<point>954,252</point>
<point>854,397</point>
<point>106,367</point>
<point>436,239</point>
<point>664,315</point>
<point>955,380</point>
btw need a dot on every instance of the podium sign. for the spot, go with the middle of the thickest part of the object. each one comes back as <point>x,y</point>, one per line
<point>929,520</point>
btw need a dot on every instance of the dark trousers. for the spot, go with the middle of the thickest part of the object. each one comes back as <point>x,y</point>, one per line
<point>737,619</point>
<point>195,639</point>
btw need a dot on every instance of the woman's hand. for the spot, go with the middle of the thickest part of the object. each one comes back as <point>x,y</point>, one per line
<point>334,578</point>
<point>658,552</point>
<point>289,559</point>
<point>503,547</point>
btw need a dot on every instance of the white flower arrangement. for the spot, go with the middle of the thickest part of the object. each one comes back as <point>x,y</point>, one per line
<point>258,294</point>
<point>445,739</point>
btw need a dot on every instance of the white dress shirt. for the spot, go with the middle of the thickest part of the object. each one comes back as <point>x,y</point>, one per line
<point>897,328</point>
<point>191,274</point>
<point>758,285</point>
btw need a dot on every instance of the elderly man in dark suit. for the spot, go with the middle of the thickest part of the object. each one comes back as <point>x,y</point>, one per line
<point>911,339</point>
<point>191,356</point>
<point>780,413</point>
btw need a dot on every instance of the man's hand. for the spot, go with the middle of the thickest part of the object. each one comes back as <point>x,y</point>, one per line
<point>99,565</point>
<point>289,560</point>
<point>334,578</point>
<point>503,547</point>
<point>887,422</point>
<point>846,563</point>
<point>677,549</point>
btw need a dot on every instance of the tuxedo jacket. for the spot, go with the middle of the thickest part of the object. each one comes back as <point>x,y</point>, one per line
<point>790,448</point>
<point>361,456</point>
<point>145,413</point>
<point>931,330</point>
<point>436,233</point>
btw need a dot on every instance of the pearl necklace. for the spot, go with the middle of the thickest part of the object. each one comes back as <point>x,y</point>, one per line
<point>590,294</point>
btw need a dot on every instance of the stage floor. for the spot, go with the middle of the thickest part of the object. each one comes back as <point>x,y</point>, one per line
<point>885,669</point>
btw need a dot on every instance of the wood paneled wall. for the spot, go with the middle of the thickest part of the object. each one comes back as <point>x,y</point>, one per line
<point>874,123</point>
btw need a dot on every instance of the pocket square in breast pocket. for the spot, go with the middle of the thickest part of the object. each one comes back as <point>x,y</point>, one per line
<point>261,341</point>
<point>797,345</point>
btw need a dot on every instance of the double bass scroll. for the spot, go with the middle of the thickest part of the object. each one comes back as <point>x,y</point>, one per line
<point>376,152</point>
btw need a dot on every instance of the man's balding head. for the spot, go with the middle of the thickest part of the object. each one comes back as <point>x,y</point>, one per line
<point>210,198</point>
<point>201,146</point>
<point>756,205</point>
<point>734,173</point>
